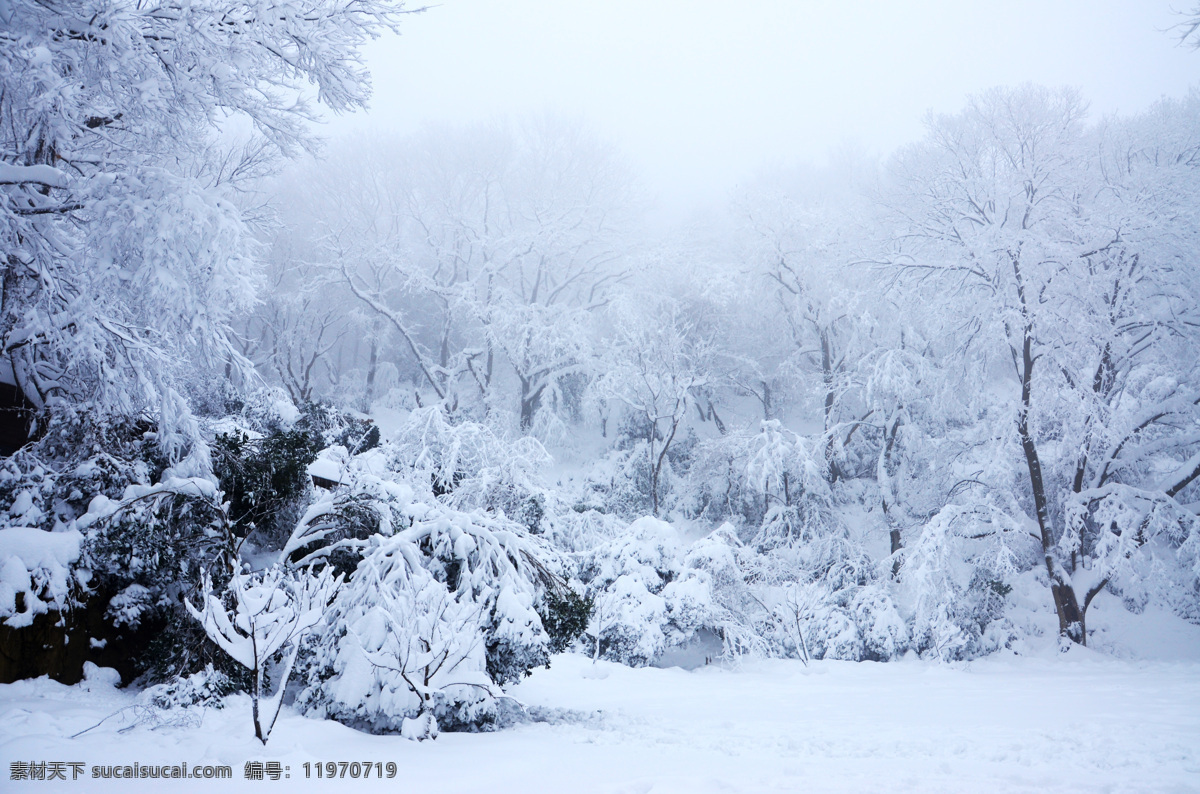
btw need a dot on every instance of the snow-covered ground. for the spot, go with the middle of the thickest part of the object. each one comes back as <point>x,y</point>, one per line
<point>1081,721</point>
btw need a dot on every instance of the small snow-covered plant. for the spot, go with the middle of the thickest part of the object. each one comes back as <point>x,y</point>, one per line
<point>793,616</point>
<point>209,687</point>
<point>883,631</point>
<point>265,613</point>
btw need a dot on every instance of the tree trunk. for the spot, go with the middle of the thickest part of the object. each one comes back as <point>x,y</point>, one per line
<point>1066,604</point>
<point>653,482</point>
<point>1071,622</point>
<point>531,400</point>
<point>372,368</point>
<point>883,477</point>
<point>827,377</point>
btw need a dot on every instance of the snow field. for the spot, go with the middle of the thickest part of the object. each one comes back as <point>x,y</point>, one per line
<point>1079,722</point>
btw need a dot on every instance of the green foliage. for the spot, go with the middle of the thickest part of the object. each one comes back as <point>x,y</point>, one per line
<point>141,556</point>
<point>159,542</point>
<point>209,687</point>
<point>999,588</point>
<point>265,478</point>
<point>78,458</point>
<point>337,427</point>
<point>532,514</point>
<point>146,558</point>
<point>565,617</point>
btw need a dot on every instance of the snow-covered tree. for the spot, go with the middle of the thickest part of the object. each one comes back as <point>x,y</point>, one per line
<point>801,234</point>
<point>484,251</point>
<point>656,363</point>
<point>126,254</point>
<point>1065,250</point>
<point>271,612</point>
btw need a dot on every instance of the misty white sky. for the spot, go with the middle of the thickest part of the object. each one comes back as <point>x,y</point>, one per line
<point>701,94</point>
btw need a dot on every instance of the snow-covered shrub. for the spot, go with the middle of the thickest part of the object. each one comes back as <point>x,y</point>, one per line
<point>265,478</point>
<point>582,527</point>
<point>354,431</point>
<point>51,482</point>
<point>207,688</point>
<point>38,574</point>
<point>261,460</point>
<point>146,552</point>
<point>620,482</point>
<point>953,581</point>
<point>835,635</point>
<point>469,581</point>
<point>565,617</point>
<point>855,623</point>
<point>143,538</point>
<point>740,618</point>
<point>500,568</point>
<point>645,599</point>
<point>883,631</point>
<point>265,409</point>
<point>401,647</point>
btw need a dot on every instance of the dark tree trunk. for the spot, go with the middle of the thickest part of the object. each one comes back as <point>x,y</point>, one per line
<point>1071,622</point>
<point>1066,603</point>
<point>531,400</point>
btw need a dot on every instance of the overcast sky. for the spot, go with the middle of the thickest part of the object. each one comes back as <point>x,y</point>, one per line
<point>701,94</point>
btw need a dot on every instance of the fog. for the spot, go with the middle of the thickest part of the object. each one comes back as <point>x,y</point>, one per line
<point>701,94</point>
